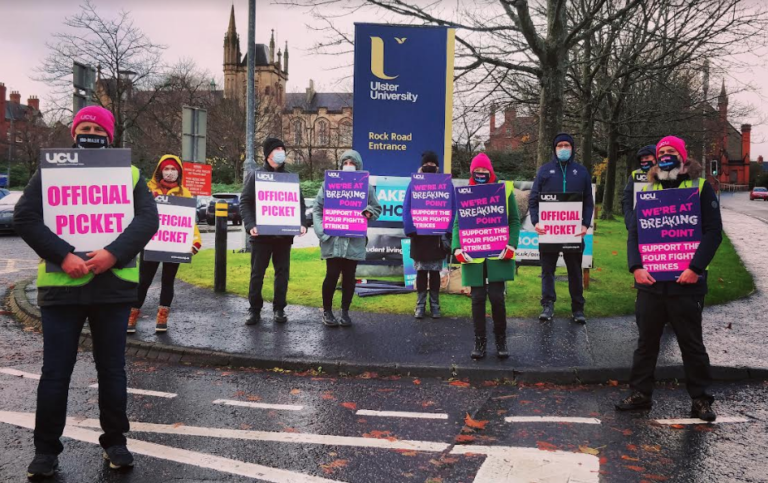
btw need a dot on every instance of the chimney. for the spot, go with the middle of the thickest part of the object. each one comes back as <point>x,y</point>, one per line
<point>493,118</point>
<point>759,160</point>
<point>746,138</point>
<point>310,91</point>
<point>15,97</point>
<point>510,114</point>
<point>34,103</point>
<point>2,103</point>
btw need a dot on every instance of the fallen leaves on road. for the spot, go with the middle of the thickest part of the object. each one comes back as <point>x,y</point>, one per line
<point>639,469</point>
<point>417,382</point>
<point>295,392</point>
<point>544,446</point>
<point>651,448</point>
<point>245,427</point>
<point>613,383</point>
<point>176,425</point>
<point>656,477</point>
<point>334,465</point>
<point>677,426</point>
<point>459,384</point>
<point>464,439</point>
<point>588,450</point>
<point>327,396</point>
<point>375,434</point>
<point>350,405</point>
<point>253,398</point>
<point>629,458</point>
<point>473,423</point>
<point>406,452</point>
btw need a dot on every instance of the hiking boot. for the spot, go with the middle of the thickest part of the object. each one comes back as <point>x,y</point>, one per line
<point>132,319</point>
<point>702,409</point>
<point>118,457</point>
<point>329,320</point>
<point>421,305</point>
<point>162,319</point>
<point>345,321</point>
<point>280,316</point>
<point>578,317</point>
<point>635,402</point>
<point>254,317</point>
<point>434,303</point>
<point>479,351</point>
<point>548,313</point>
<point>43,466</point>
<point>501,347</point>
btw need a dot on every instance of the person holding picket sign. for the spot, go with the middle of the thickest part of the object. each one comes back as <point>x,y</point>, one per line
<point>487,277</point>
<point>427,251</point>
<point>340,253</point>
<point>166,181</point>
<point>679,301</point>
<point>646,156</point>
<point>100,288</point>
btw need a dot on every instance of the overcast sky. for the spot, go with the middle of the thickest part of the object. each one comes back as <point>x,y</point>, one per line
<point>195,29</point>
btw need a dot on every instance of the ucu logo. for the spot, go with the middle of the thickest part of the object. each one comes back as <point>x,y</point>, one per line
<point>265,176</point>
<point>334,174</point>
<point>88,117</point>
<point>641,177</point>
<point>464,191</point>
<point>648,196</point>
<point>61,158</point>
<point>548,197</point>
<point>418,176</point>
<point>161,199</point>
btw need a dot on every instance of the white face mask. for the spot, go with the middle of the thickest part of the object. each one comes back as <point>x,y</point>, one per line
<point>170,175</point>
<point>347,167</point>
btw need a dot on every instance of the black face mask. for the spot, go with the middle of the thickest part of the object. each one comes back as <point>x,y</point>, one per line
<point>429,169</point>
<point>481,178</point>
<point>646,165</point>
<point>91,141</point>
<point>668,162</point>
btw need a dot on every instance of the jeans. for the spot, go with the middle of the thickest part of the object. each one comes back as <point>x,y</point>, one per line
<point>493,291</point>
<point>426,279</point>
<point>575,286</point>
<point>168,278</point>
<point>336,267</point>
<point>62,325</point>
<point>279,251</point>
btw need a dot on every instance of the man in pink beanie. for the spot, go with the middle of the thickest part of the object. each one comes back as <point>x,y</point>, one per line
<point>93,127</point>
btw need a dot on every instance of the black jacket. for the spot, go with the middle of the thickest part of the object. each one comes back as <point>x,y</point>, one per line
<point>712,236</point>
<point>106,287</point>
<point>628,196</point>
<point>248,206</point>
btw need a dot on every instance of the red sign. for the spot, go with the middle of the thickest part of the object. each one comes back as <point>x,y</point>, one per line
<point>197,178</point>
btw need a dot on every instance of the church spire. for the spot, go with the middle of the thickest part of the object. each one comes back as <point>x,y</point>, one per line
<point>272,48</point>
<point>723,98</point>
<point>232,27</point>
<point>285,65</point>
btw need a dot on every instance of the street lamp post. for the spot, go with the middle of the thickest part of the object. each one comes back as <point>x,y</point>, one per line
<point>250,122</point>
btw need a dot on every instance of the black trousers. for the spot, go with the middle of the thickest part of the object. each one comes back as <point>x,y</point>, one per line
<point>279,251</point>
<point>147,271</point>
<point>493,291</point>
<point>575,285</point>
<point>336,267</point>
<point>421,280</point>
<point>683,313</point>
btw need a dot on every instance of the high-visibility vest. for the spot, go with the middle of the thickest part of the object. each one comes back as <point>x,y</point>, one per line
<point>61,279</point>
<point>688,183</point>
<point>509,189</point>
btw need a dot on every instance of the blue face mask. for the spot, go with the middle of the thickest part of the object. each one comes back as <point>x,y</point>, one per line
<point>564,154</point>
<point>278,157</point>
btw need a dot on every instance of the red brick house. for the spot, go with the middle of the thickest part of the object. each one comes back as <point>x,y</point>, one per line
<point>16,119</point>
<point>514,133</point>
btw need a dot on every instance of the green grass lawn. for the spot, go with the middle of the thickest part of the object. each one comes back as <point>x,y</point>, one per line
<point>610,291</point>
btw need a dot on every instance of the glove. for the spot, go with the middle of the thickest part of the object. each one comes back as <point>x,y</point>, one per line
<point>463,257</point>
<point>196,248</point>
<point>507,254</point>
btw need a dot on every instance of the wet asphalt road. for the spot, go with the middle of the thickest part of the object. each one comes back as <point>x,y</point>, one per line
<point>740,202</point>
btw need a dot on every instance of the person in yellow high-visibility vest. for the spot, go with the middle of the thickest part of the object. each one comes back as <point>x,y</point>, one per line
<point>100,290</point>
<point>679,303</point>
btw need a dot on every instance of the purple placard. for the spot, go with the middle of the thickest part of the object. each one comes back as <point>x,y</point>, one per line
<point>346,196</point>
<point>431,203</point>
<point>483,223</point>
<point>668,230</point>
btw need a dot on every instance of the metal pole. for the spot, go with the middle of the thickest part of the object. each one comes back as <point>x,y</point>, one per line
<point>220,258</point>
<point>250,123</point>
<point>10,152</point>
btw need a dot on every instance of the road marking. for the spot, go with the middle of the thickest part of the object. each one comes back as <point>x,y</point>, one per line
<point>246,404</point>
<point>550,419</point>
<point>401,414</point>
<point>201,460</point>
<point>143,392</point>
<point>719,420</point>
<point>14,372</point>
<point>509,464</point>
<point>10,265</point>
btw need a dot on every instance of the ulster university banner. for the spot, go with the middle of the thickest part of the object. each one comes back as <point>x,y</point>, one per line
<point>403,96</point>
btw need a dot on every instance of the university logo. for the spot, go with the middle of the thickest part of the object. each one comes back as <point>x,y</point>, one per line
<point>641,177</point>
<point>464,191</point>
<point>265,176</point>
<point>548,197</point>
<point>61,158</point>
<point>334,174</point>
<point>377,58</point>
<point>648,196</point>
<point>418,176</point>
<point>88,117</point>
<point>162,199</point>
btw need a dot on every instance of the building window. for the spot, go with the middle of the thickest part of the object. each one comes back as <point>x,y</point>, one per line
<point>298,137</point>
<point>322,132</point>
<point>345,132</point>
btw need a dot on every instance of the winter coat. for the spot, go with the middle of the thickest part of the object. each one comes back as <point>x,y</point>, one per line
<point>105,288</point>
<point>157,190</point>
<point>711,231</point>
<point>343,247</point>
<point>549,179</point>
<point>628,196</point>
<point>425,248</point>
<point>494,270</point>
<point>248,206</point>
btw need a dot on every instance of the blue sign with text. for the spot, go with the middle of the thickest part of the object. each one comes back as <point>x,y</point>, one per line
<point>403,96</point>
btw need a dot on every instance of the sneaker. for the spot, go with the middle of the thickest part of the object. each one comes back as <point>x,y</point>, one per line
<point>345,320</point>
<point>634,402</point>
<point>118,457</point>
<point>132,319</point>
<point>280,316</point>
<point>329,320</point>
<point>253,317</point>
<point>43,466</point>
<point>548,313</point>
<point>578,317</point>
<point>162,319</point>
<point>702,409</point>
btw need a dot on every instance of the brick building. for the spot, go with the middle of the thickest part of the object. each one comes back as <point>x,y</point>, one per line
<point>16,120</point>
<point>514,133</point>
